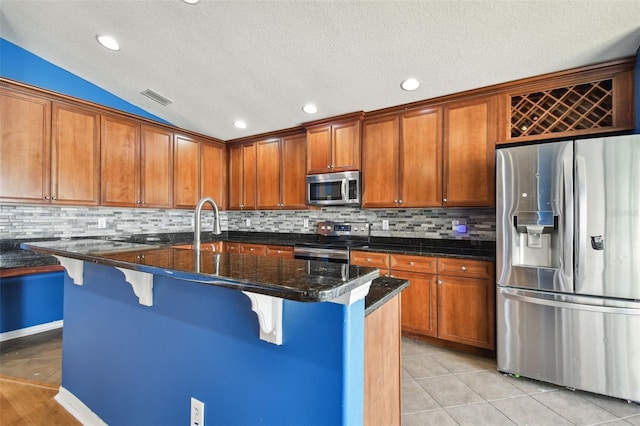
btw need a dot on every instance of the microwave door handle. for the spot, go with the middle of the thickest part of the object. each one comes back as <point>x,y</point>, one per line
<point>345,186</point>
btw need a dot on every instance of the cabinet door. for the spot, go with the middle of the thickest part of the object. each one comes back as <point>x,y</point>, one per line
<point>75,155</point>
<point>319,150</point>
<point>255,249</point>
<point>25,123</point>
<point>293,192</point>
<point>120,161</point>
<point>249,184</point>
<point>186,172</point>
<point>345,146</point>
<point>236,177</point>
<point>420,176</point>
<point>280,251</point>
<point>370,259</point>
<point>213,172</point>
<point>268,168</point>
<point>419,303</point>
<point>156,167</point>
<point>466,311</point>
<point>469,145</point>
<point>380,162</point>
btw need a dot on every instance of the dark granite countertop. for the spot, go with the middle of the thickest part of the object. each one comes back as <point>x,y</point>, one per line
<point>382,290</point>
<point>293,279</point>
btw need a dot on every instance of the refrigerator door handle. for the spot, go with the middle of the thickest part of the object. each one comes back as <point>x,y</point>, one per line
<point>567,218</point>
<point>515,295</point>
<point>581,209</point>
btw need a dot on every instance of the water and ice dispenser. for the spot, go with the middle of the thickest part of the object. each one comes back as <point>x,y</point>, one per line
<point>536,240</point>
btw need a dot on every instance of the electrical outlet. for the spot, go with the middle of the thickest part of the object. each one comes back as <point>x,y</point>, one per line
<point>385,224</point>
<point>247,222</point>
<point>197,412</point>
<point>102,223</point>
<point>306,223</point>
<point>454,223</point>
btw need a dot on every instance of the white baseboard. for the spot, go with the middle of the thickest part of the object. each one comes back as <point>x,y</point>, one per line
<point>14,334</point>
<point>77,409</point>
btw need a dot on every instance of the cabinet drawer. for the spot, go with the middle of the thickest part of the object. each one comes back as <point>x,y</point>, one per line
<point>403,262</point>
<point>374,260</point>
<point>280,251</point>
<point>466,268</point>
<point>232,248</point>
<point>257,249</point>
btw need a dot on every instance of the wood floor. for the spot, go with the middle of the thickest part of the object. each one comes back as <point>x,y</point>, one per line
<point>23,402</point>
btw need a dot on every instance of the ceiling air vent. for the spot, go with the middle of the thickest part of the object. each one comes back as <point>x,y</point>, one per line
<point>157,97</point>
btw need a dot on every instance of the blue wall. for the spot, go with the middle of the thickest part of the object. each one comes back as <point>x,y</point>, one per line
<point>138,365</point>
<point>30,300</point>
<point>23,66</point>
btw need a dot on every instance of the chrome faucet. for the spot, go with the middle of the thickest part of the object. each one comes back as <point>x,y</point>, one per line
<point>198,227</point>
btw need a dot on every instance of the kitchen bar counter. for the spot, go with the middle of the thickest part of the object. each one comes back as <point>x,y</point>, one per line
<point>292,279</point>
<point>302,361</point>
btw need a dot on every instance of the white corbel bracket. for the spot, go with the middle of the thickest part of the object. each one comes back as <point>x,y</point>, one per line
<point>269,312</point>
<point>74,268</point>
<point>142,284</point>
<point>353,295</point>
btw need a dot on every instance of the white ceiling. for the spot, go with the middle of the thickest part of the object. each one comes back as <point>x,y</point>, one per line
<point>260,61</point>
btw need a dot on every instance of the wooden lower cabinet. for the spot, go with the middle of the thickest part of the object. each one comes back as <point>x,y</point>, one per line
<point>448,299</point>
<point>382,365</point>
<point>280,251</point>
<point>257,249</point>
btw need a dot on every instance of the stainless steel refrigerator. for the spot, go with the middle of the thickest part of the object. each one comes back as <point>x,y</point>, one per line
<point>568,263</point>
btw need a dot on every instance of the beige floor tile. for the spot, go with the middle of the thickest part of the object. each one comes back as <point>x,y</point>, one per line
<point>529,386</point>
<point>524,410</point>
<point>428,418</point>
<point>421,366</point>
<point>483,414</point>
<point>490,385</point>
<point>415,398</point>
<point>416,347</point>
<point>619,407</point>
<point>449,391</point>
<point>634,420</point>
<point>574,407</point>
<point>456,362</point>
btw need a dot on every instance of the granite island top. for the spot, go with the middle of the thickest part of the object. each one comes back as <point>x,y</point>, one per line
<point>293,279</point>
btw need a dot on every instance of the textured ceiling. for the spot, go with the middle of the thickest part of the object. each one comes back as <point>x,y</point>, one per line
<point>260,61</point>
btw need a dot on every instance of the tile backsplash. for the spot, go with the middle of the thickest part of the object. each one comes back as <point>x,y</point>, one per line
<point>27,221</point>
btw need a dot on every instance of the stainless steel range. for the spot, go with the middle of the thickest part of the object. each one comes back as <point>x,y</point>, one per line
<point>333,241</point>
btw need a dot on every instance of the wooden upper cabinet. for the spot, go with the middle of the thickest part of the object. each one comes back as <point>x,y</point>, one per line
<point>293,192</point>
<point>156,167</point>
<point>213,173</point>
<point>380,162</point>
<point>401,160</point>
<point>334,147</point>
<point>75,155</point>
<point>120,159</point>
<point>592,100</point>
<point>319,150</point>
<point>242,176</point>
<point>186,171</point>
<point>268,170</point>
<point>420,179</point>
<point>469,146</point>
<point>25,147</point>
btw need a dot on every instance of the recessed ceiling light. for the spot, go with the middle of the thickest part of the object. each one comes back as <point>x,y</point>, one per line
<point>108,42</point>
<point>191,1</point>
<point>310,109</point>
<point>410,84</point>
<point>240,124</point>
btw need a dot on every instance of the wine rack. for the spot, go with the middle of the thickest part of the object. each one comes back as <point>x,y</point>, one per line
<point>573,108</point>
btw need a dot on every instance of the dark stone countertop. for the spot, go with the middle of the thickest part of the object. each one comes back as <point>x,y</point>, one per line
<point>382,290</point>
<point>292,279</point>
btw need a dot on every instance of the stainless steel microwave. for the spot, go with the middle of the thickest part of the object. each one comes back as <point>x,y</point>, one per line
<point>334,189</point>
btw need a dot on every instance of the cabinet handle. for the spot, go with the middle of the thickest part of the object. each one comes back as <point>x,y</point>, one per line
<point>439,281</point>
<point>54,198</point>
<point>411,263</point>
<point>395,201</point>
<point>46,197</point>
<point>399,201</point>
<point>368,259</point>
<point>444,200</point>
<point>142,202</point>
<point>464,268</point>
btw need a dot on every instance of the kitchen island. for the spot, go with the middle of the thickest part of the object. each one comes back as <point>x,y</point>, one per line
<point>259,340</point>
